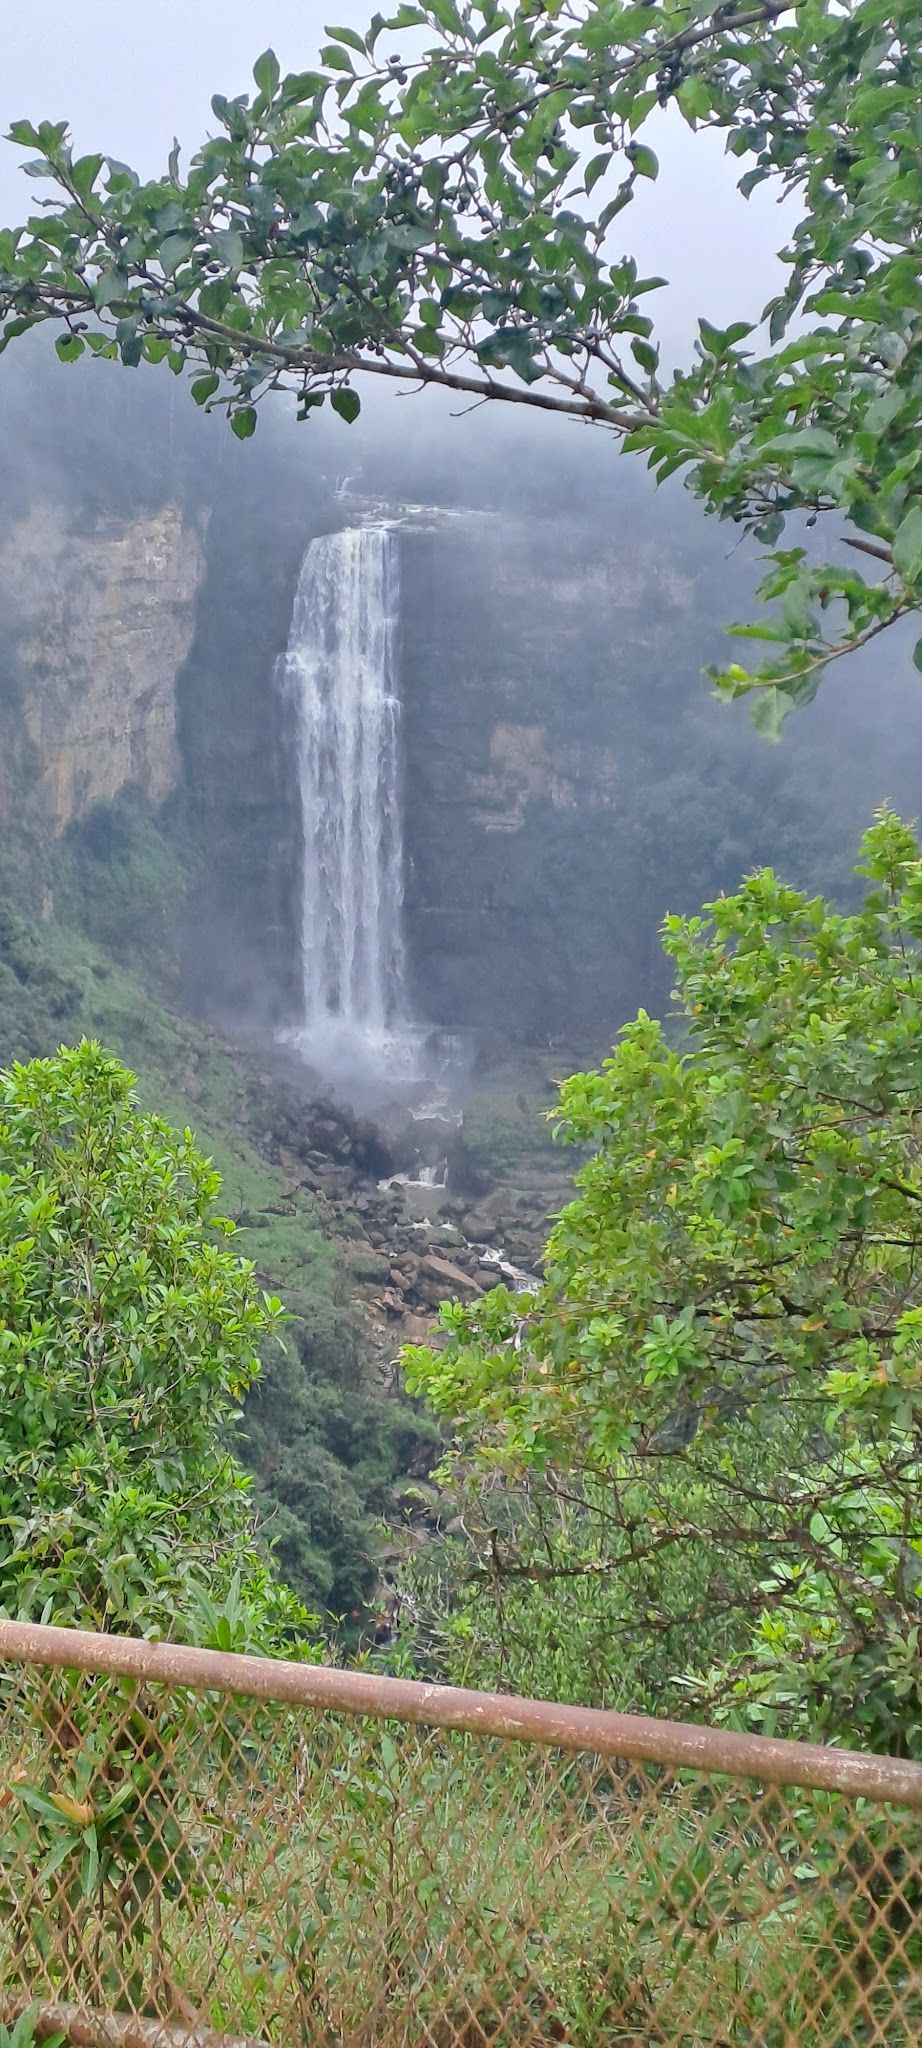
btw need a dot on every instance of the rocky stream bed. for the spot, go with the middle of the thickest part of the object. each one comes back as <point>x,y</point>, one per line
<point>414,1230</point>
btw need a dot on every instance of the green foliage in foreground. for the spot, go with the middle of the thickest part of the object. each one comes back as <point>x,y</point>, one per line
<point>435,202</point>
<point>324,1441</point>
<point>129,1334</point>
<point>719,1386</point>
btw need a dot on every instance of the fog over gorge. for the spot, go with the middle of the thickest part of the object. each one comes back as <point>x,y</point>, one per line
<point>506,630</point>
<point>460,911</point>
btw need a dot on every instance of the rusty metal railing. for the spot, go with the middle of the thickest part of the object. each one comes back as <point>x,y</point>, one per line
<point>205,1849</point>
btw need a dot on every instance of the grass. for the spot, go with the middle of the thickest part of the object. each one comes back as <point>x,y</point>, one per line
<point>331,1879</point>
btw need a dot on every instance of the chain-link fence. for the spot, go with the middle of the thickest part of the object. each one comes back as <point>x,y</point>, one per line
<point>212,1850</point>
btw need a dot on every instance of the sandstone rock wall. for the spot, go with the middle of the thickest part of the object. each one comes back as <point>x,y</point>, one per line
<point>101,620</point>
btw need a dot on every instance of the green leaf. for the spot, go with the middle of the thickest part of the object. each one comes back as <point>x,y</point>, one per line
<point>907,545</point>
<point>110,286</point>
<point>300,86</point>
<point>347,404</point>
<point>68,347</point>
<point>615,206</point>
<point>24,134</point>
<point>646,355</point>
<point>266,72</point>
<point>644,160</point>
<point>769,712</point>
<point>243,422</point>
<point>694,97</point>
<point>229,243</point>
<point>713,338</point>
<point>597,167</point>
<point>174,250</point>
<point>446,14</point>
<point>348,36</point>
<point>84,173</point>
<point>801,441</point>
<point>203,388</point>
<point>89,1870</point>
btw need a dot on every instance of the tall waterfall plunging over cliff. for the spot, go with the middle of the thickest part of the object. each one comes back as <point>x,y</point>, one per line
<point>340,667</point>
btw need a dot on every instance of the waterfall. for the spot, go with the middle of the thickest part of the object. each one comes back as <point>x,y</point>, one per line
<point>340,668</point>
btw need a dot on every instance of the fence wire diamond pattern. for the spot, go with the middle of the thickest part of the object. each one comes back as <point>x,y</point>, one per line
<point>187,1866</point>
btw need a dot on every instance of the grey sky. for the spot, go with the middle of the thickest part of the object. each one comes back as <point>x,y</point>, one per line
<point>130,77</point>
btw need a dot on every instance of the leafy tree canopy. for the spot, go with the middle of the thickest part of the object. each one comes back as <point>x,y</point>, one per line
<point>128,1337</point>
<point>723,1367</point>
<point>424,205</point>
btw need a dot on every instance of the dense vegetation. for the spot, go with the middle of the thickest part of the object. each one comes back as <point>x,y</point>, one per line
<point>324,1442</point>
<point>688,1469</point>
<point>180,1856</point>
<point>713,1402</point>
<point>130,1334</point>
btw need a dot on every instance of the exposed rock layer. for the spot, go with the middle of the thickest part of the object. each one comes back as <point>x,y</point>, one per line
<point>102,621</point>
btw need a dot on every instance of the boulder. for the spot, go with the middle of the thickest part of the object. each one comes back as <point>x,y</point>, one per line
<point>483,1227</point>
<point>369,1266</point>
<point>448,1237</point>
<point>467,1175</point>
<point>416,1329</point>
<point>390,1301</point>
<point>444,1274</point>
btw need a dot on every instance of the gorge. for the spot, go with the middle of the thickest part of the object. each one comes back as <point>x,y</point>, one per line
<point>229,853</point>
<point>564,777</point>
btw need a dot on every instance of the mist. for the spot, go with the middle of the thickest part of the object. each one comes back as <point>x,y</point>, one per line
<point>551,618</point>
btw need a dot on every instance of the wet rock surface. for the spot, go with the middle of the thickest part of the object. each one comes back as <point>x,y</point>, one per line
<point>402,1267</point>
<point>383,1193</point>
<point>328,1135</point>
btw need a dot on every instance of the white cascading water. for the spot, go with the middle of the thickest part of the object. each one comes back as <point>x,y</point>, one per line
<point>340,668</point>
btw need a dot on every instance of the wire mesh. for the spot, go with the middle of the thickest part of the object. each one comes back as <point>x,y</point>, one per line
<point>179,1865</point>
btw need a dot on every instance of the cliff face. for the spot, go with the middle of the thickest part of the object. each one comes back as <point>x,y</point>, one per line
<point>566,778</point>
<point>523,647</point>
<point>100,621</point>
<point>237,741</point>
<point>536,774</point>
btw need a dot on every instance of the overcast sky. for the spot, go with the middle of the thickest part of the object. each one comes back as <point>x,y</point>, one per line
<point>130,77</point>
